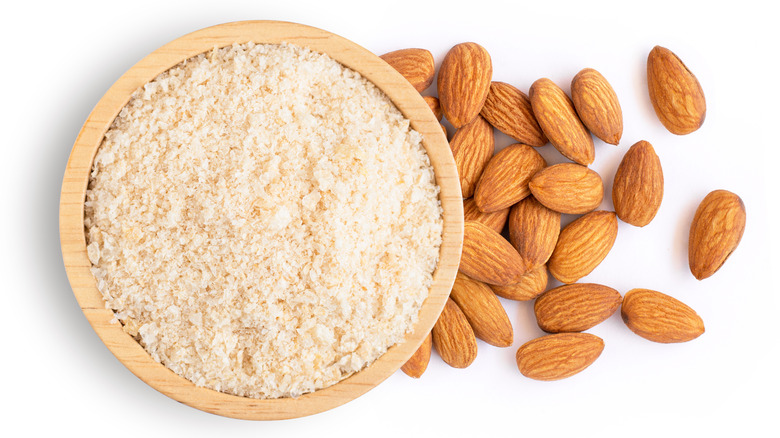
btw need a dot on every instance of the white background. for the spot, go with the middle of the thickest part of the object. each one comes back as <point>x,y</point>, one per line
<point>59,58</point>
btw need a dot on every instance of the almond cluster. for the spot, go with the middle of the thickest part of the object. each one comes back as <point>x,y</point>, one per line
<point>513,201</point>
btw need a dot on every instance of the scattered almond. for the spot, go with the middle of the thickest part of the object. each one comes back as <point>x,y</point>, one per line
<point>484,311</point>
<point>533,231</point>
<point>568,188</point>
<point>488,257</point>
<point>575,307</point>
<point>639,185</point>
<point>504,180</point>
<point>530,286</point>
<point>453,337</point>
<point>716,230</point>
<point>582,246</point>
<point>675,92</point>
<point>597,105</point>
<point>495,220</point>
<point>659,317</point>
<point>509,110</point>
<point>472,147</point>
<point>433,103</point>
<point>555,357</point>
<point>464,82</point>
<point>418,363</point>
<point>416,65</point>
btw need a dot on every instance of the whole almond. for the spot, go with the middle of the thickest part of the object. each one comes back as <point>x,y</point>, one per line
<point>472,147</point>
<point>484,311</point>
<point>597,105</point>
<point>559,121</point>
<point>533,231</point>
<point>716,230</point>
<point>504,181</point>
<point>567,188</point>
<point>639,185</point>
<point>416,65</point>
<point>660,318</point>
<point>582,245</point>
<point>418,363</point>
<point>433,103</point>
<point>530,286</point>
<point>453,337</point>
<point>509,110</point>
<point>675,92</point>
<point>464,82</point>
<point>488,257</point>
<point>495,220</point>
<point>575,307</point>
<point>555,357</point>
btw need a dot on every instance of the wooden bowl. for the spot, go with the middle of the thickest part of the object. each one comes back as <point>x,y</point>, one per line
<point>73,241</point>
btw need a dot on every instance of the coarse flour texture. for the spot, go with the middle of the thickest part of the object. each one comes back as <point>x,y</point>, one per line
<point>263,220</point>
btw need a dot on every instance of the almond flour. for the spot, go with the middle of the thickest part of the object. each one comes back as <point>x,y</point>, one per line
<point>263,220</point>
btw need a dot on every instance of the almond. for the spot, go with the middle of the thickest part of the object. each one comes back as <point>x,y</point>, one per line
<point>453,337</point>
<point>555,357</point>
<point>433,103</point>
<point>659,317</point>
<point>472,147</point>
<point>568,188</point>
<point>533,231</point>
<point>675,92</point>
<point>504,181</point>
<point>464,82</point>
<point>597,105</point>
<point>418,363</point>
<point>582,245</point>
<point>488,257</point>
<point>575,307</point>
<point>558,119</point>
<point>716,230</point>
<point>530,286</point>
<point>495,220</point>
<point>639,185</point>
<point>416,65</point>
<point>509,110</point>
<point>484,311</point>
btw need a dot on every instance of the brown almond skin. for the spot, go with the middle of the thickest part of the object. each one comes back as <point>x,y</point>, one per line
<point>464,82</point>
<point>559,121</point>
<point>530,286</point>
<point>716,231</point>
<point>416,65</point>
<point>557,356</point>
<point>454,338</point>
<point>597,105</point>
<point>509,110</point>
<point>638,188</point>
<point>495,220</point>
<point>583,245</point>
<point>575,307</point>
<point>488,257</point>
<point>418,363</point>
<point>504,180</point>
<point>484,311</point>
<point>533,231</point>
<point>567,188</point>
<point>660,318</point>
<point>472,147</point>
<point>675,93</point>
<point>433,103</point>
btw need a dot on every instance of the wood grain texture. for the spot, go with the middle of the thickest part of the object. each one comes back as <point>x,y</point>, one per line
<point>73,242</point>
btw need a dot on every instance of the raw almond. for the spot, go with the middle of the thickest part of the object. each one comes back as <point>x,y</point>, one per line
<point>484,311</point>
<point>495,220</point>
<point>675,92</point>
<point>416,65</point>
<point>453,337</point>
<point>716,230</point>
<point>582,245</point>
<point>464,82</point>
<point>575,307</point>
<point>472,147</point>
<point>504,181</point>
<point>639,185</point>
<point>418,363</point>
<point>597,105</point>
<point>555,357</point>
<point>488,257</point>
<point>533,231</point>
<point>568,188</point>
<point>433,103</point>
<point>509,110</point>
<point>530,286</point>
<point>558,119</point>
<point>659,317</point>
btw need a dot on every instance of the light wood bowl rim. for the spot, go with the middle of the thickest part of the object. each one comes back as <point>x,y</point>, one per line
<point>73,241</point>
